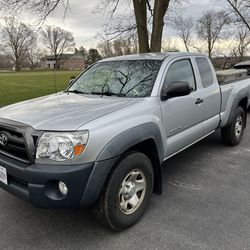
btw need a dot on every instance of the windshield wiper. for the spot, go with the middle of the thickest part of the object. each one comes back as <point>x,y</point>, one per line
<point>107,93</point>
<point>77,92</point>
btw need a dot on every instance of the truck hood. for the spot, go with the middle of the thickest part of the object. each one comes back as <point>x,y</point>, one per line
<point>63,111</point>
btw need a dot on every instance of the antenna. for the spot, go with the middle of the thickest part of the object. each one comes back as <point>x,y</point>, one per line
<point>54,71</point>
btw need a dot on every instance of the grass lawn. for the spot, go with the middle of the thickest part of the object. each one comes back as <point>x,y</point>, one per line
<point>16,87</point>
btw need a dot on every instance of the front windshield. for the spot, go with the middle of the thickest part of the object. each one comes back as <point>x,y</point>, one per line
<point>134,78</point>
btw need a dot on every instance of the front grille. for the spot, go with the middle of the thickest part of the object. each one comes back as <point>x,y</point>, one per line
<point>20,143</point>
<point>15,146</point>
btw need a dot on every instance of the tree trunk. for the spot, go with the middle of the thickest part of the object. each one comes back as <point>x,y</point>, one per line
<point>241,55</point>
<point>209,50</point>
<point>209,44</point>
<point>57,61</point>
<point>18,68</point>
<point>17,65</point>
<point>186,46</point>
<point>160,9</point>
<point>140,9</point>
<point>225,63</point>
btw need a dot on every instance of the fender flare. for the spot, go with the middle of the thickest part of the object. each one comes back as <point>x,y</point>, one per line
<point>238,98</point>
<point>129,138</point>
<point>109,156</point>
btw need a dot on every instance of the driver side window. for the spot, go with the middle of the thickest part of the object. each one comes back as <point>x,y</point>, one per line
<point>180,71</point>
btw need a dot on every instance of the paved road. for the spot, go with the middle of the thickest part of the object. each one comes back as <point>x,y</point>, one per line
<point>205,205</point>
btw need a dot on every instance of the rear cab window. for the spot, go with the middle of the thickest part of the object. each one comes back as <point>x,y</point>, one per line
<point>205,71</point>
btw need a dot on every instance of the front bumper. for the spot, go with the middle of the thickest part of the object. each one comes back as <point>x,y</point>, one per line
<point>38,183</point>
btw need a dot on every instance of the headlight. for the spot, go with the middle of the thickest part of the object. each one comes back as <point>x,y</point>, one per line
<point>61,146</point>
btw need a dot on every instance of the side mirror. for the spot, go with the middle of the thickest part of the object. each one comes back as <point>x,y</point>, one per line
<point>72,79</point>
<point>176,89</point>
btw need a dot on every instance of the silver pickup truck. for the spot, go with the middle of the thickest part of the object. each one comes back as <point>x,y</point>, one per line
<point>101,143</point>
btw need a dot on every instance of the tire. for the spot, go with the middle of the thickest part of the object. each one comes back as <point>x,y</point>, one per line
<point>232,134</point>
<point>114,209</point>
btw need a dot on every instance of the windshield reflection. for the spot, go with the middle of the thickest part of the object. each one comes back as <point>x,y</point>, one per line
<point>134,78</point>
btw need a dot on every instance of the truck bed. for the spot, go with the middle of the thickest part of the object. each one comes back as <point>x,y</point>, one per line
<point>230,75</point>
<point>234,81</point>
<point>228,93</point>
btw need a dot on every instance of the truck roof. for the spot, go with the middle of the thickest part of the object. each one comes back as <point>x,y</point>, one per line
<point>150,56</point>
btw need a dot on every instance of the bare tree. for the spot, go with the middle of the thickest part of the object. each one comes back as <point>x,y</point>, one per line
<point>159,11</point>
<point>169,45</point>
<point>106,49</point>
<point>209,28</point>
<point>243,41</point>
<point>57,41</point>
<point>82,51</point>
<point>18,37</point>
<point>150,17</point>
<point>41,8</point>
<point>129,46</point>
<point>157,8</point>
<point>123,26</point>
<point>184,28</point>
<point>34,54</point>
<point>241,9</point>
<point>226,55</point>
<point>148,20</point>
<point>140,10</point>
<point>117,47</point>
<point>235,49</point>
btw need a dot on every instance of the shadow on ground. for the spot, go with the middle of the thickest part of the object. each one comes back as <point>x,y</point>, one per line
<point>205,205</point>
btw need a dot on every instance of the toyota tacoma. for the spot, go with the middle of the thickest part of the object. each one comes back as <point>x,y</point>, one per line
<point>101,142</point>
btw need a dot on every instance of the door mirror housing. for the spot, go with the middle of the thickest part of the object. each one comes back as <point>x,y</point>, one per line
<point>176,89</point>
<point>72,79</point>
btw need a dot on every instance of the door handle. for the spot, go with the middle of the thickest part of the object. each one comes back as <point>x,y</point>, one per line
<point>199,101</point>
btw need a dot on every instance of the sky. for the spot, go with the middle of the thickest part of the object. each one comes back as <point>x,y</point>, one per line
<point>83,21</point>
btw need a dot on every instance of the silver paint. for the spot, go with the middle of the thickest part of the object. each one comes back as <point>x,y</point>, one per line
<point>180,121</point>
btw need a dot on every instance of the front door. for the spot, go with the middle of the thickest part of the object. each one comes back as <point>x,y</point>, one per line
<point>182,116</point>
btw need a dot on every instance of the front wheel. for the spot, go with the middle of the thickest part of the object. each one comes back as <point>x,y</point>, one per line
<point>232,134</point>
<point>127,192</point>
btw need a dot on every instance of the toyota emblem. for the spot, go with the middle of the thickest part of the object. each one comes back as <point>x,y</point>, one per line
<point>3,139</point>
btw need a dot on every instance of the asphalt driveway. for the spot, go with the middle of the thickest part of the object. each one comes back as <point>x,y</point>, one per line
<point>205,205</point>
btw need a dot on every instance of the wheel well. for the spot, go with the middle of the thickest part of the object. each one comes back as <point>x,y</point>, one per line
<point>243,103</point>
<point>148,147</point>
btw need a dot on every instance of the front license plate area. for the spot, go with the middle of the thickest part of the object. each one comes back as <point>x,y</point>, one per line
<point>3,175</point>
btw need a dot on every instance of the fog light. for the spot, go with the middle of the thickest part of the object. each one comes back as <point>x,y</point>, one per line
<point>63,188</point>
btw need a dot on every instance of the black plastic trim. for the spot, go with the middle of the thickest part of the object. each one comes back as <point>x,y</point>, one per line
<point>28,134</point>
<point>96,181</point>
<point>130,138</point>
<point>240,96</point>
<point>38,183</point>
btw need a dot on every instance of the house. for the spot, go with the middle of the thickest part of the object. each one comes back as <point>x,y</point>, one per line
<point>67,61</point>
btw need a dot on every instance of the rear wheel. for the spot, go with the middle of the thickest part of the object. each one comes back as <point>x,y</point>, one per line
<point>127,192</point>
<point>232,134</point>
